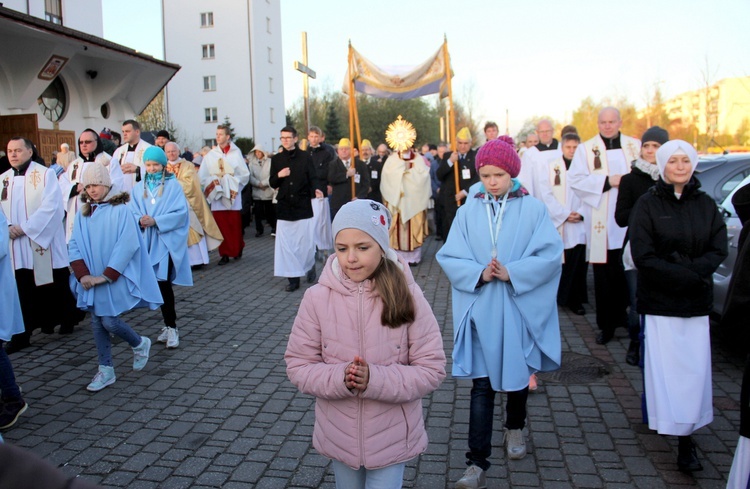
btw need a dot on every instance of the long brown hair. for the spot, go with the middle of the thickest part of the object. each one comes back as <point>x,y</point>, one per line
<point>398,304</point>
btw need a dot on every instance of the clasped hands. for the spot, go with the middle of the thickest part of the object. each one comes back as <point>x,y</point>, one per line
<point>15,231</point>
<point>89,281</point>
<point>357,374</point>
<point>147,221</point>
<point>495,270</point>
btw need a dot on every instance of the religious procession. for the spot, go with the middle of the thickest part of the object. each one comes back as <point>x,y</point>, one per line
<point>516,230</point>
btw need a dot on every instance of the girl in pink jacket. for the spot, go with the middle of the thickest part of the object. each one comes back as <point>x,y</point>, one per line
<point>366,344</point>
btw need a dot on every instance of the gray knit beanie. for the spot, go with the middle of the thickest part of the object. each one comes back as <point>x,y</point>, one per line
<point>96,174</point>
<point>366,215</point>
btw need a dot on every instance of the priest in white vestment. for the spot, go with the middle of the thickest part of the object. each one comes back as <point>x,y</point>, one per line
<point>32,204</point>
<point>594,175</point>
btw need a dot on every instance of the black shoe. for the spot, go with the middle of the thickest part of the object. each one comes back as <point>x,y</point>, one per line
<point>687,457</point>
<point>48,330</point>
<point>197,267</point>
<point>292,287</point>
<point>413,264</point>
<point>259,234</point>
<point>224,260</point>
<point>15,345</point>
<point>10,411</point>
<point>577,309</point>
<point>604,336</point>
<point>240,255</point>
<point>633,355</point>
<point>311,275</point>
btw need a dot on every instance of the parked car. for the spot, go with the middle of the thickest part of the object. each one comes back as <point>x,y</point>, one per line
<point>721,174</point>
<point>723,274</point>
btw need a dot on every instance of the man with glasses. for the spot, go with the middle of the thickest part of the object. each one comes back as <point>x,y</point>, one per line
<point>544,150</point>
<point>293,175</point>
<point>90,149</point>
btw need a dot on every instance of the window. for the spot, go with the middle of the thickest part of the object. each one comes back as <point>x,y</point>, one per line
<point>272,118</point>
<point>209,142</point>
<point>270,85</point>
<point>208,51</point>
<point>268,25</point>
<point>207,19</point>
<point>53,101</point>
<point>53,11</point>
<point>209,83</point>
<point>212,114</point>
<point>270,59</point>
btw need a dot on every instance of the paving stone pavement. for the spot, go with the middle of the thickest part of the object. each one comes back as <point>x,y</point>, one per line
<point>220,412</point>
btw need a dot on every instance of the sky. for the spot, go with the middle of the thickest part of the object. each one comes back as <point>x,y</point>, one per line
<point>530,58</point>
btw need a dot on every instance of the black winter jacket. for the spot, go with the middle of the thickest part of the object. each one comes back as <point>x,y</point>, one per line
<point>632,186</point>
<point>676,245</point>
<point>297,189</point>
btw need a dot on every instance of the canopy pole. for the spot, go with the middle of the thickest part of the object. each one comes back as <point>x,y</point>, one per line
<point>352,113</point>
<point>452,119</point>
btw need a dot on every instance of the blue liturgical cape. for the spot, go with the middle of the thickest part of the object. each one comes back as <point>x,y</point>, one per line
<point>504,330</point>
<point>111,237</point>
<point>10,307</point>
<point>169,238</point>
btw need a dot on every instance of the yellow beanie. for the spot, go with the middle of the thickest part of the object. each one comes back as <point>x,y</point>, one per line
<point>464,134</point>
<point>345,143</point>
<point>366,143</point>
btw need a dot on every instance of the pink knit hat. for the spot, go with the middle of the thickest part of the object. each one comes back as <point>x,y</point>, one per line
<point>501,153</point>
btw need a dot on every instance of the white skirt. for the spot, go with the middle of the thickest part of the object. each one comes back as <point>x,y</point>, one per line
<point>677,374</point>
<point>739,475</point>
<point>198,253</point>
<point>322,224</point>
<point>294,251</point>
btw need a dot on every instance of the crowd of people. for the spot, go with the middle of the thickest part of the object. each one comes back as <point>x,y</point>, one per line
<point>520,227</point>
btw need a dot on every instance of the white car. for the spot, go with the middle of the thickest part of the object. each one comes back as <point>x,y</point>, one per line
<point>723,274</point>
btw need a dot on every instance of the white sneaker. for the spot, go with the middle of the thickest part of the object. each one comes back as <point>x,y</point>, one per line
<point>173,338</point>
<point>162,338</point>
<point>104,377</point>
<point>140,354</point>
<point>473,478</point>
<point>515,444</point>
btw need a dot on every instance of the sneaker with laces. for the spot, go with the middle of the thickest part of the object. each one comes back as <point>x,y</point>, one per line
<point>163,336</point>
<point>10,411</point>
<point>173,338</point>
<point>473,478</point>
<point>104,377</point>
<point>515,444</point>
<point>140,354</point>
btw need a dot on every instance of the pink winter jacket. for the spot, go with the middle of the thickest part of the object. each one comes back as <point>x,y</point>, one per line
<point>339,319</point>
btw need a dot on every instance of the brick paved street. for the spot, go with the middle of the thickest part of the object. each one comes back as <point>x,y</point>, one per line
<point>220,412</point>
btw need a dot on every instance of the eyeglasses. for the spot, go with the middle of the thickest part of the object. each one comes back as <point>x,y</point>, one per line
<point>286,138</point>
<point>86,142</point>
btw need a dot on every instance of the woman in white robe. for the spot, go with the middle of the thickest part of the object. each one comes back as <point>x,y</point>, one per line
<point>678,239</point>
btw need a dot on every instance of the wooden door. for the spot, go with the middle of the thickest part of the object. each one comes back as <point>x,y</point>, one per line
<point>20,125</point>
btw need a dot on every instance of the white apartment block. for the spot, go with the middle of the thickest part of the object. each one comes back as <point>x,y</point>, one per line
<point>230,53</point>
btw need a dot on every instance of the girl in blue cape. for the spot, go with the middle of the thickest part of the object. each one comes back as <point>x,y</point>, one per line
<point>502,256</point>
<point>112,270</point>
<point>161,208</point>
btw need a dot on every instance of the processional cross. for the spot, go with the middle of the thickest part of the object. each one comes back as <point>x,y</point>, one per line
<point>307,73</point>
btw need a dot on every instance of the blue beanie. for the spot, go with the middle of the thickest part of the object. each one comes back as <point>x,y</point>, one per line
<point>155,153</point>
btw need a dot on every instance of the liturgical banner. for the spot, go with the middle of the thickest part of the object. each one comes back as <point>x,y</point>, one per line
<point>399,83</point>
